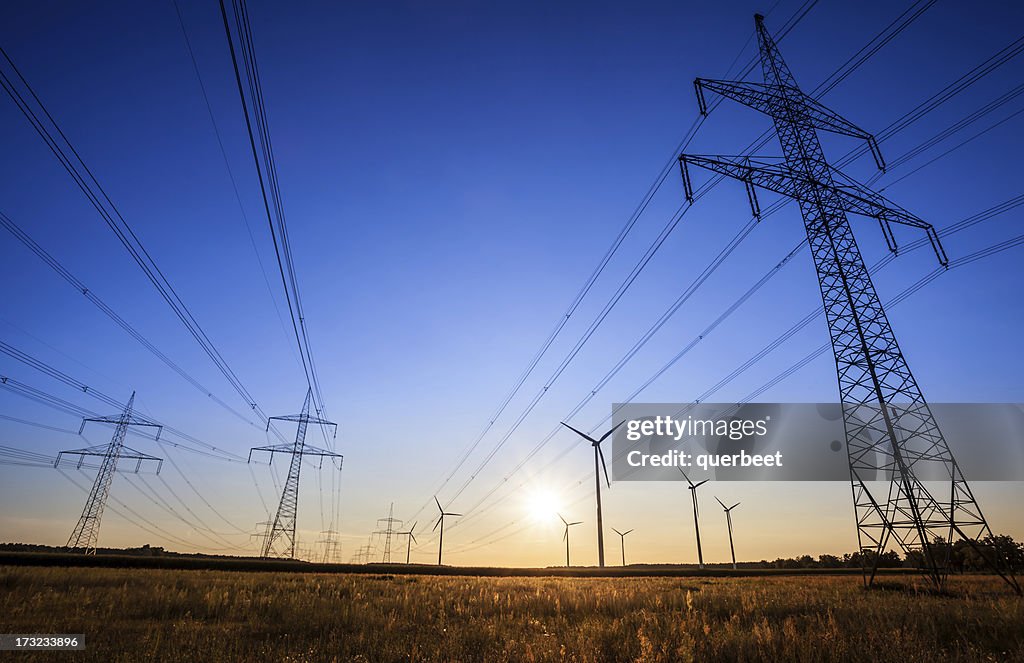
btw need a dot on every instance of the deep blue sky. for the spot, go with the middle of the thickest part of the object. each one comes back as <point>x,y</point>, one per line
<point>452,172</point>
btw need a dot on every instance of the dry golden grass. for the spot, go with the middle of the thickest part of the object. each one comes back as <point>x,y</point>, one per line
<point>167,615</point>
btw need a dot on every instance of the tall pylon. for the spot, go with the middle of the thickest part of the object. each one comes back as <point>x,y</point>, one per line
<point>280,540</point>
<point>892,439</point>
<point>86,533</point>
<point>389,524</point>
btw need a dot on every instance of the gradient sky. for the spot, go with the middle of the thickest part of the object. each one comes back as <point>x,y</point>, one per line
<point>452,173</point>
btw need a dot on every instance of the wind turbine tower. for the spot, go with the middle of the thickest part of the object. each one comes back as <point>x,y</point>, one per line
<point>409,541</point>
<point>696,514</point>
<point>599,464</point>
<point>440,521</point>
<point>728,521</point>
<point>622,540</point>
<point>565,537</point>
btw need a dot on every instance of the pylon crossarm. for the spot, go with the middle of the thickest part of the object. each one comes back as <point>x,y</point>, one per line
<point>116,420</point>
<point>101,450</point>
<point>847,196</point>
<point>774,100</point>
<point>303,418</point>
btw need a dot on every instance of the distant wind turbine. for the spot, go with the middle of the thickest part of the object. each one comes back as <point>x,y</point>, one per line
<point>622,540</point>
<point>696,513</point>
<point>599,464</point>
<point>566,536</point>
<point>440,521</point>
<point>728,520</point>
<point>409,541</point>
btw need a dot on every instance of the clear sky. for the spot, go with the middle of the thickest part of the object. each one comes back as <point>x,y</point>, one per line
<point>452,173</point>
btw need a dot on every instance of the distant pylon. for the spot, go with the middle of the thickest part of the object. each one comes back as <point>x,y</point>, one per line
<point>330,544</point>
<point>891,435</point>
<point>87,531</point>
<point>389,530</point>
<point>280,541</point>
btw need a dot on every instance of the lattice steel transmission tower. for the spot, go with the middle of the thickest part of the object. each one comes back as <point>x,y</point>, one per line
<point>87,531</point>
<point>893,441</point>
<point>280,540</point>
<point>389,524</point>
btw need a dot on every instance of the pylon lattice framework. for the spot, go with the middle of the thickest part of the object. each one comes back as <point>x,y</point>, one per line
<point>389,526</point>
<point>280,540</point>
<point>891,434</point>
<point>87,531</point>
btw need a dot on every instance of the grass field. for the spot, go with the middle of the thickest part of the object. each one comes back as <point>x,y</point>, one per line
<point>176,615</point>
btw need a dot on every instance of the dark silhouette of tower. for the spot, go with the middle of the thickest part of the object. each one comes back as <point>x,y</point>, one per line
<point>280,540</point>
<point>892,438</point>
<point>87,531</point>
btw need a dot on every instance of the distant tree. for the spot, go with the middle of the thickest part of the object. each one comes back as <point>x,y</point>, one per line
<point>829,562</point>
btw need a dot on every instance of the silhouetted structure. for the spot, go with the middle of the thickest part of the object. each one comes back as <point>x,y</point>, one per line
<point>728,521</point>
<point>389,530</point>
<point>440,521</point>
<point>622,540</point>
<point>281,536</point>
<point>565,537</point>
<point>696,514</point>
<point>891,435</point>
<point>87,531</point>
<point>409,540</point>
<point>599,465</point>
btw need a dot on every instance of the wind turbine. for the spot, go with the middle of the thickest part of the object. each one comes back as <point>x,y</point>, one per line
<point>440,521</point>
<point>408,543</point>
<point>622,539</point>
<point>696,513</point>
<point>598,465</point>
<point>566,536</point>
<point>728,520</point>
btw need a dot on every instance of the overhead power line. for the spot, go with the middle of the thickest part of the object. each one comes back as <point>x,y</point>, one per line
<point>32,107</point>
<point>266,170</point>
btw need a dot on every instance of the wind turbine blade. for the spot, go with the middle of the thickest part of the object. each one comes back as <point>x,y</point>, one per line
<point>702,483</point>
<point>720,502</point>
<point>437,523</point>
<point>734,506</point>
<point>578,522</point>
<point>566,535</point>
<point>617,532</point>
<point>457,515</point>
<point>600,454</point>
<point>439,508</point>
<point>413,537</point>
<point>626,532</point>
<point>579,432</point>
<point>685,476</point>
<point>605,436</point>
<point>562,519</point>
<point>413,528</point>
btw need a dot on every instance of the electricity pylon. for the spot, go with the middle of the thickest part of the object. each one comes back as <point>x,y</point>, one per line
<point>389,525</point>
<point>330,544</point>
<point>280,541</point>
<point>891,434</point>
<point>87,531</point>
